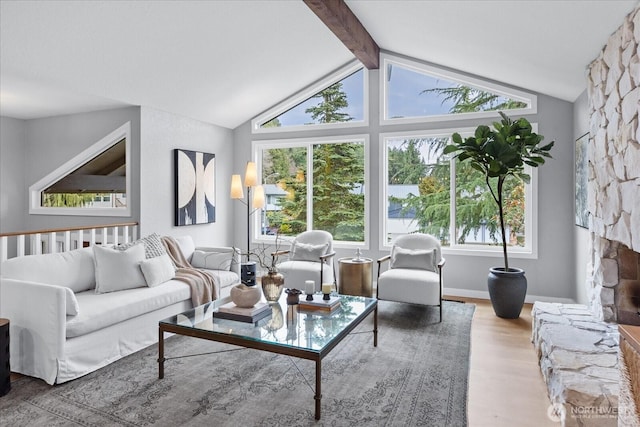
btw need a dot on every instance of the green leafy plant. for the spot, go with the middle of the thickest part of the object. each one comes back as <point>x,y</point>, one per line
<point>498,153</point>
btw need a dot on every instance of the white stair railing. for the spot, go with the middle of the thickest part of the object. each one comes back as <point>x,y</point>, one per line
<point>64,239</point>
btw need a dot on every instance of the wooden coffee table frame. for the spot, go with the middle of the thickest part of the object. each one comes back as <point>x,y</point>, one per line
<point>302,353</point>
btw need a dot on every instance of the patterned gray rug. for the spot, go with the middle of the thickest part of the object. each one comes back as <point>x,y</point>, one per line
<point>416,376</point>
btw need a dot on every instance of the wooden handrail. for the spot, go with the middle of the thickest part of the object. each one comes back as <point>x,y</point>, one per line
<point>59,230</point>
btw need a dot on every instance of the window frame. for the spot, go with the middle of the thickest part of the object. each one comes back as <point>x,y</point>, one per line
<point>35,190</point>
<point>307,93</point>
<point>256,153</point>
<point>530,250</point>
<point>420,67</point>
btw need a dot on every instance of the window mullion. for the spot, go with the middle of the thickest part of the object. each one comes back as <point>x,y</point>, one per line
<point>453,229</point>
<point>310,186</point>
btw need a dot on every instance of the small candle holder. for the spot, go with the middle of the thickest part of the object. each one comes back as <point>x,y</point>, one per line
<point>309,289</point>
<point>326,291</point>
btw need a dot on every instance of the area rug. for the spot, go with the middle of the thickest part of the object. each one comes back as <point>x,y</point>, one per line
<point>417,376</point>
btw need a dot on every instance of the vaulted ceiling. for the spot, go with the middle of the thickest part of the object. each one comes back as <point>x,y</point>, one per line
<point>224,62</point>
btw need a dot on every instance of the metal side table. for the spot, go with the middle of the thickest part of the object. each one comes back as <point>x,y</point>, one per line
<point>355,276</point>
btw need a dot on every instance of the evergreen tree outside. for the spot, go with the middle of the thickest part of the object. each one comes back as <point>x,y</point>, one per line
<point>475,209</point>
<point>467,99</point>
<point>338,178</point>
<point>333,100</point>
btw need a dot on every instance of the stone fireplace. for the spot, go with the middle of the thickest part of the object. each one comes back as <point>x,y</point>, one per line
<point>613,85</point>
<point>578,345</point>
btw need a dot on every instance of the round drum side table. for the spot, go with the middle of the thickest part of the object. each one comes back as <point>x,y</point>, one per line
<point>355,276</point>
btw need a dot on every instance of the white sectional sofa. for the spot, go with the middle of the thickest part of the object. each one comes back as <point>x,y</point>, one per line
<point>61,328</point>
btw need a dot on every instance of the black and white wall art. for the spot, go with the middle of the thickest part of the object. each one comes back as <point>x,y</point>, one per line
<point>195,187</point>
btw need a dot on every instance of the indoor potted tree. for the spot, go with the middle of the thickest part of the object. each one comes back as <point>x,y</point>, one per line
<point>498,153</point>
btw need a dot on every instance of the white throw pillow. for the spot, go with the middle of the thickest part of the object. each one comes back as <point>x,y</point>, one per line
<point>118,270</point>
<point>71,302</point>
<point>308,252</point>
<point>211,260</point>
<point>157,270</point>
<point>418,259</point>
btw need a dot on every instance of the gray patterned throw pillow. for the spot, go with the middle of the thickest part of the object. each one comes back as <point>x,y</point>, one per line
<point>153,246</point>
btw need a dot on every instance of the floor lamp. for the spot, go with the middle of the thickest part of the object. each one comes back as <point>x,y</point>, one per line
<point>248,269</point>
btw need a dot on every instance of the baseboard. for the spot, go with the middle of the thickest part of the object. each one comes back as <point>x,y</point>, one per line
<point>467,293</point>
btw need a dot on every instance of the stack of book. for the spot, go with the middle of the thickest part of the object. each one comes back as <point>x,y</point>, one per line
<point>320,304</point>
<point>231,311</point>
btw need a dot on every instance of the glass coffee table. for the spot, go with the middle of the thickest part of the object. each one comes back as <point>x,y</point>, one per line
<point>289,330</point>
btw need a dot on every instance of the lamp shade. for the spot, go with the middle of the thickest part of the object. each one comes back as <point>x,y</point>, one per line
<point>258,197</point>
<point>250,175</point>
<point>236,187</point>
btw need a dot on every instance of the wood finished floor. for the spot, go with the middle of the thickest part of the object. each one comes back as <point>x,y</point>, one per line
<point>505,383</point>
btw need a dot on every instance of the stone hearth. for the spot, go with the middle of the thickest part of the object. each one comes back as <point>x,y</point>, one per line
<point>579,362</point>
<point>577,344</point>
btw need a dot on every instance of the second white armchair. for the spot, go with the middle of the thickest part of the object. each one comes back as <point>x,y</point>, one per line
<point>414,273</point>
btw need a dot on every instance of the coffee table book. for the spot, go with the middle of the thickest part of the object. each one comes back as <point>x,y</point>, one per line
<point>320,304</point>
<point>230,311</point>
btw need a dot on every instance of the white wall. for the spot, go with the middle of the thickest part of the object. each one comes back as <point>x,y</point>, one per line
<point>581,235</point>
<point>49,143</point>
<point>13,200</point>
<point>550,277</point>
<point>161,133</point>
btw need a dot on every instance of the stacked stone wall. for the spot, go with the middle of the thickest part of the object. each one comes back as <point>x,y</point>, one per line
<point>613,86</point>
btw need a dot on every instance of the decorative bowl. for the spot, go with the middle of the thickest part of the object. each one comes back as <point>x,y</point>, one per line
<point>245,296</point>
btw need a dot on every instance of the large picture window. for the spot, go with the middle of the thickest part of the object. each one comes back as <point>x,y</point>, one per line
<point>314,184</point>
<point>427,191</point>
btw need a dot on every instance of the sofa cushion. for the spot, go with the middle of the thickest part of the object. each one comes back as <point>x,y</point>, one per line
<point>186,246</point>
<point>118,270</point>
<point>153,246</point>
<point>158,270</point>
<point>223,278</point>
<point>212,260</point>
<point>72,269</point>
<point>98,311</point>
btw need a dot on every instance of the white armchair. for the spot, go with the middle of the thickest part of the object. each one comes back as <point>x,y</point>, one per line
<point>309,258</point>
<point>414,274</point>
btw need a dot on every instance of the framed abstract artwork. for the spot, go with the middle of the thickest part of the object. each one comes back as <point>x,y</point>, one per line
<point>194,187</point>
<point>581,173</point>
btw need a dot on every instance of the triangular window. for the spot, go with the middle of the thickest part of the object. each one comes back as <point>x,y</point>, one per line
<point>95,182</point>
<point>336,101</point>
<point>415,92</point>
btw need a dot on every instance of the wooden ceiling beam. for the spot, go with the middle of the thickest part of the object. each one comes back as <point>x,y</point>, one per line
<point>337,16</point>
